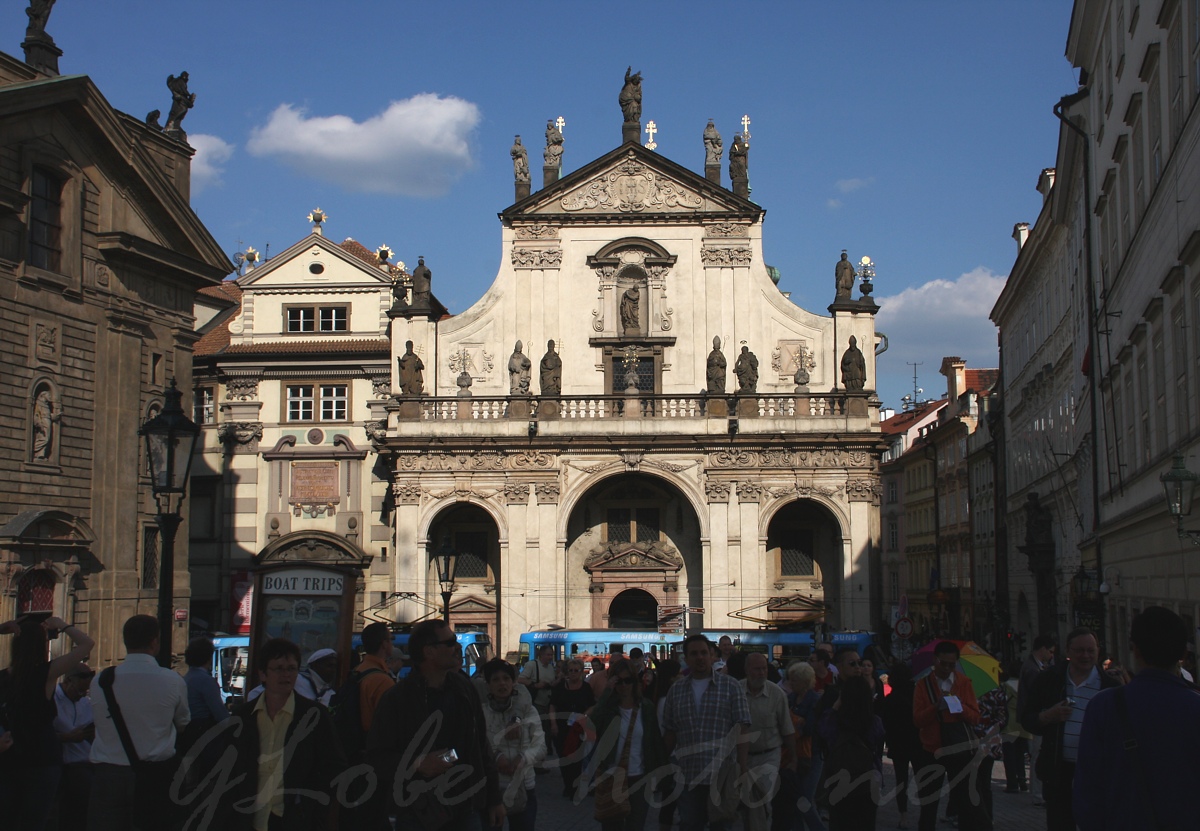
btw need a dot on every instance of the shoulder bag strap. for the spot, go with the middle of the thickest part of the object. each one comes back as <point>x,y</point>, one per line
<point>114,712</point>
<point>633,717</point>
<point>1131,745</point>
<point>933,697</point>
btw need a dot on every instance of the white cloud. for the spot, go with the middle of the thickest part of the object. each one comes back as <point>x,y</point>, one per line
<point>415,147</point>
<point>851,185</point>
<point>934,320</point>
<point>833,204</point>
<point>207,165</point>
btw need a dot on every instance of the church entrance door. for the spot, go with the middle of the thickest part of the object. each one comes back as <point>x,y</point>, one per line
<point>633,609</point>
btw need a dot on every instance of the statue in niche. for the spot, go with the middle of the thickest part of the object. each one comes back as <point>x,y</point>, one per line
<point>554,145</point>
<point>843,276</point>
<point>520,159</point>
<point>714,148</point>
<point>551,371</point>
<point>630,98</point>
<point>45,421</point>
<point>39,14</point>
<point>854,367</point>
<point>422,284</point>
<point>181,100</point>
<point>715,371</point>
<point>631,304</point>
<point>746,370</point>
<point>412,377</point>
<point>518,371</point>
<point>738,161</point>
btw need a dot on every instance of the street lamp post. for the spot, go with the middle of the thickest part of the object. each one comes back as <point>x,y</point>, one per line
<point>1180,486</point>
<point>170,437</point>
<point>446,560</point>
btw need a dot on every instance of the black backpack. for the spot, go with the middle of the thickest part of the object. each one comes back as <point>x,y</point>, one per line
<point>346,709</point>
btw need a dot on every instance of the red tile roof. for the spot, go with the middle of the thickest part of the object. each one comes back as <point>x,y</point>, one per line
<point>901,422</point>
<point>308,346</point>
<point>228,290</point>
<point>212,341</point>
<point>981,380</point>
<point>357,249</point>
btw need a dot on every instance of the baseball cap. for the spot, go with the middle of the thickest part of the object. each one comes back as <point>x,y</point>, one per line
<point>320,654</point>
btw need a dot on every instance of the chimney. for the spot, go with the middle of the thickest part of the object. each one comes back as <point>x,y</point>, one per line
<point>1046,183</point>
<point>1020,234</point>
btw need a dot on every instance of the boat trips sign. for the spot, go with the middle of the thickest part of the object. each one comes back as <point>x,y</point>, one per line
<point>306,581</point>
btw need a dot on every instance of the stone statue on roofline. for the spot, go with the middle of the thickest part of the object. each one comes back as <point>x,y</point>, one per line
<point>714,148</point>
<point>38,13</point>
<point>551,371</point>
<point>746,370</point>
<point>422,282</point>
<point>630,98</point>
<point>518,371</point>
<point>181,101</point>
<point>714,371</point>
<point>554,145</point>
<point>843,276</point>
<point>520,157</point>
<point>854,367</point>
<point>738,162</point>
<point>411,371</point>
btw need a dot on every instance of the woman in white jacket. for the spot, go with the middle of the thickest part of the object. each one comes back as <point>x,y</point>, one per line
<point>518,742</point>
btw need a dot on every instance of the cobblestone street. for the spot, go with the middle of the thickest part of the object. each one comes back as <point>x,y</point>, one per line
<point>1011,811</point>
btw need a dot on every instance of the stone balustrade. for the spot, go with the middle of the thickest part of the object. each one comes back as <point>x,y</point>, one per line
<point>590,407</point>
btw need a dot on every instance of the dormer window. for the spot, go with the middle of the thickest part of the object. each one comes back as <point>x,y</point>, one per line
<point>318,319</point>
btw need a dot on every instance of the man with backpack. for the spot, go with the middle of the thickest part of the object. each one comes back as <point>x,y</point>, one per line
<point>353,707</point>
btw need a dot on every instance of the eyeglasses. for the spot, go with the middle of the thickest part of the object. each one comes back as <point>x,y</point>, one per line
<point>624,679</point>
<point>447,642</point>
<point>289,669</point>
<point>575,671</point>
<point>83,675</point>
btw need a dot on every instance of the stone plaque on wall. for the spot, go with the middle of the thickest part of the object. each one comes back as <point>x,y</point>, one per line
<point>314,483</point>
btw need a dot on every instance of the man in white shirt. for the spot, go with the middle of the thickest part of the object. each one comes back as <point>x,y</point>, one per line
<point>75,728</point>
<point>770,726</point>
<point>153,702</point>
<point>538,677</point>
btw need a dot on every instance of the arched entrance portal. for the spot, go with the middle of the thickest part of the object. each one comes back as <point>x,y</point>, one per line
<point>475,603</point>
<point>633,609</point>
<point>804,555</point>
<point>636,535</point>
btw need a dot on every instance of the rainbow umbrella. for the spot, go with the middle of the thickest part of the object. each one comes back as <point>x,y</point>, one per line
<point>973,661</point>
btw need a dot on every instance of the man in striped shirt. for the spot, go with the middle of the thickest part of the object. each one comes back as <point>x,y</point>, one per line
<point>1054,710</point>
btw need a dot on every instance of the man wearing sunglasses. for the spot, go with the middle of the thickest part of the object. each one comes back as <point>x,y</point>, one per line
<point>428,741</point>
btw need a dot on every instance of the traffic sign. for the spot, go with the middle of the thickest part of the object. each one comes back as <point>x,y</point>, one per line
<point>666,611</point>
<point>695,610</point>
<point>904,628</point>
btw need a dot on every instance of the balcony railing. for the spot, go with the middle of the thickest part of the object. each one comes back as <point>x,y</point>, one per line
<point>588,407</point>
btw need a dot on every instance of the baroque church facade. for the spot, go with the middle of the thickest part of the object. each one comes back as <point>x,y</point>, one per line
<point>632,417</point>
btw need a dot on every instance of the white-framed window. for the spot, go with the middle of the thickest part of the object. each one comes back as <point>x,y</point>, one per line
<point>300,403</point>
<point>333,402</point>
<point>332,318</point>
<point>301,319</point>
<point>205,401</point>
<point>318,319</point>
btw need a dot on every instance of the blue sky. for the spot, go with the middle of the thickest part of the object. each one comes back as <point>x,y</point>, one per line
<point>912,132</point>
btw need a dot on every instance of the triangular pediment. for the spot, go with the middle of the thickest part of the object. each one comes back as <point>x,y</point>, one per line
<point>634,556</point>
<point>632,181</point>
<point>158,229</point>
<point>471,603</point>
<point>292,267</point>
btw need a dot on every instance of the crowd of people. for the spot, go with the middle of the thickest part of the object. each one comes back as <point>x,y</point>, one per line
<point>718,738</point>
